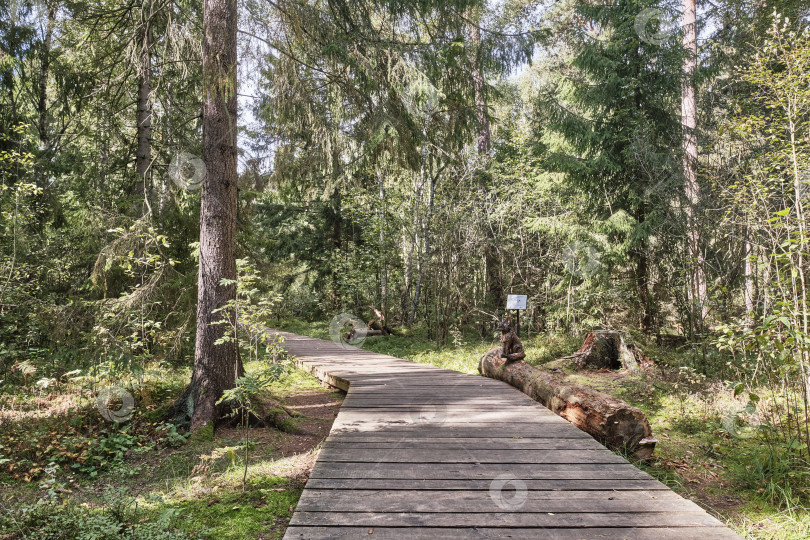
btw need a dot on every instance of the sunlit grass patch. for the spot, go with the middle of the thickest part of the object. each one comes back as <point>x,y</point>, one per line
<point>790,524</point>
<point>263,508</point>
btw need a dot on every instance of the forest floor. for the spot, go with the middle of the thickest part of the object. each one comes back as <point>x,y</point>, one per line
<point>67,473</point>
<point>703,453</point>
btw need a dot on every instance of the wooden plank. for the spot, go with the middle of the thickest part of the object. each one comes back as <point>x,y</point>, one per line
<point>481,417</point>
<point>484,471</point>
<point>330,500</point>
<point>430,533</point>
<point>496,402</point>
<point>456,407</point>
<point>550,443</point>
<point>467,416</point>
<point>615,484</point>
<point>506,519</point>
<point>454,433</point>
<point>416,455</point>
<point>443,438</point>
<point>453,428</point>
<point>423,430</point>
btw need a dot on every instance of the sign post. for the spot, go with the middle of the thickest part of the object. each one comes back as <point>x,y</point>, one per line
<point>516,302</point>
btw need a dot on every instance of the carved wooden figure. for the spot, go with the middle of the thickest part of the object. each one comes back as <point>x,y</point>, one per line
<point>511,346</point>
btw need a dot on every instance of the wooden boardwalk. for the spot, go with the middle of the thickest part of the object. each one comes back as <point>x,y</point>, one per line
<point>423,452</point>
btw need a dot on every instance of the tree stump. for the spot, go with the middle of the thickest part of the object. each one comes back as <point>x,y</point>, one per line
<point>270,412</point>
<point>607,349</point>
<point>613,422</point>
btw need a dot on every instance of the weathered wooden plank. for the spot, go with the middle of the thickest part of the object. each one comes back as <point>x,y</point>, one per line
<point>480,417</point>
<point>551,443</point>
<point>443,438</point>
<point>506,519</point>
<point>424,430</point>
<point>315,500</point>
<point>494,401</point>
<point>615,484</point>
<point>456,407</point>
<point>451,428</point>
<point>430,533</point>
<point>416,455</point>
<point>448,432</point>
<point>483,471</point>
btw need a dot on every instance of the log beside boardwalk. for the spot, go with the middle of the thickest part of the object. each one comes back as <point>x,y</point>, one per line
<point>611,421</point>
<point>427,453</point>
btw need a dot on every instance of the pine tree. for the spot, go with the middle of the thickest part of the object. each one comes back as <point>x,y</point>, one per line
<point>607,108</point>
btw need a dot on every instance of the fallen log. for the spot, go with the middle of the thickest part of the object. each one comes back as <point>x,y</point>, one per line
<point>611,421</point>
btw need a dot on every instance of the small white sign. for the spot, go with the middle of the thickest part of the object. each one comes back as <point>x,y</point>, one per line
<point>516,301</point>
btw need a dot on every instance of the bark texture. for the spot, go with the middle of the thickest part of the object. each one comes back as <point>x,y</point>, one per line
<point>216,367</point>
<point>479,87</point>
<point>43,128</point>
<point>698,295</point>
<point>611,421</point>
<point>143,155</point>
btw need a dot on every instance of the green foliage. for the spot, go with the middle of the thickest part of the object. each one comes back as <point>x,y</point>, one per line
<point>52,519</point>
<point>243,395</point>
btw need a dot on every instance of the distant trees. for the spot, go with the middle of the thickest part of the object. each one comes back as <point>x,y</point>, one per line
<point>343,105</point>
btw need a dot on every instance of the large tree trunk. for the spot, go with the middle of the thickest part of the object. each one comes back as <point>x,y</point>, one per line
<point>42,97</point>
<point>383,264</point>
<point>609,420</point>
<point>698,295</point>
<point>481,113</point>
<point>643,276</point>
<point>143,154</point>
<point>337,235</point>
<point>216,367</point>
<point>421,262</point>
<point>493,284</point>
